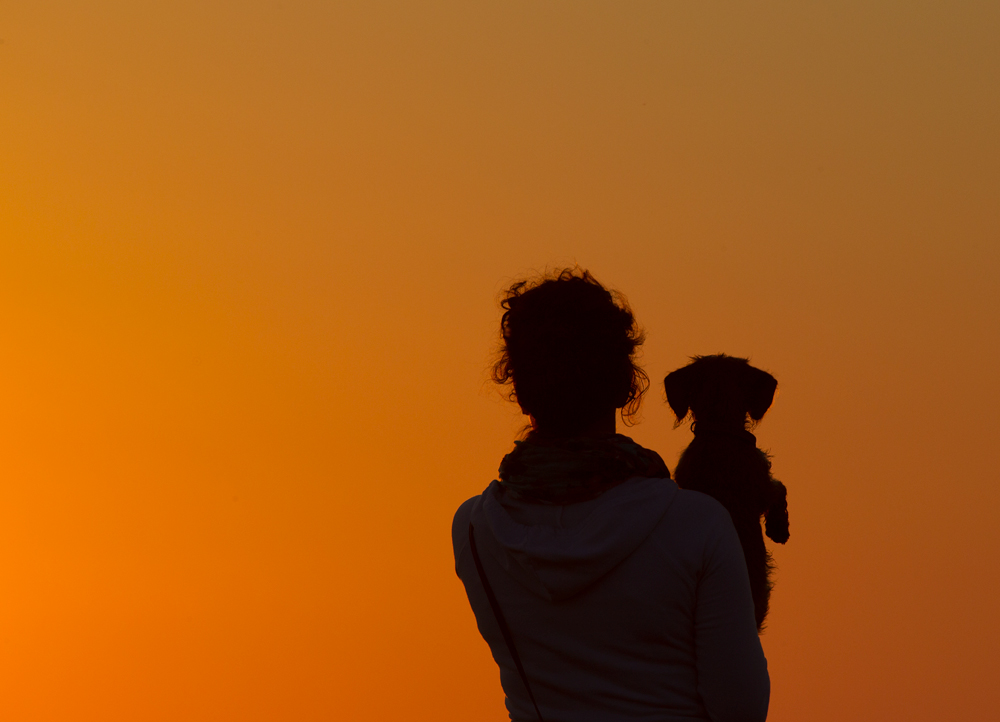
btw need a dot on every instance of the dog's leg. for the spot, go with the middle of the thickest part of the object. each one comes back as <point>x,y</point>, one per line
<point>776,516</point>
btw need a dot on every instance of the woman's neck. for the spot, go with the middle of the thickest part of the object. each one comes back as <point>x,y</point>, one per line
<point>603,425</point>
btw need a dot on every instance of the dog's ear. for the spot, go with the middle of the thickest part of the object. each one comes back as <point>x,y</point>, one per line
<point>760,392</point>
<point>680,388</point>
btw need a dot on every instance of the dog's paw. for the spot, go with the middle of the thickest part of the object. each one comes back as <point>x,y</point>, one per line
<point>776,519</point>
<point>776,525</point>
<point>780,536</point>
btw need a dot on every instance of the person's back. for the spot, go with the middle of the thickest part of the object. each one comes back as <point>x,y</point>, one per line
<point>620,607</point>
<point>625,597</point>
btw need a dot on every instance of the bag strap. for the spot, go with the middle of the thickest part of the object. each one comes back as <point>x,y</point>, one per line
<point>504,629</point>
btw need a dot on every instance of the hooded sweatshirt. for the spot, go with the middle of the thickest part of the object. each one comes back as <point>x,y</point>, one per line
<point>632,606</point>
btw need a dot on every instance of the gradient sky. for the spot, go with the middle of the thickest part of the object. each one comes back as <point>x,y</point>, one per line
<point>249,260</point>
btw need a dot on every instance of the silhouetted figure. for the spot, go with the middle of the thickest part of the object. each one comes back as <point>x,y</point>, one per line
<point>603,590</point>
<point>725,395</point>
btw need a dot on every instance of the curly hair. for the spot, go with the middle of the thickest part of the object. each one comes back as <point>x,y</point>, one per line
<point>568,350</point>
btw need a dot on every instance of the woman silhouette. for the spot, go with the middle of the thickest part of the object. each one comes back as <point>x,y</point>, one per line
<point>603,590</point>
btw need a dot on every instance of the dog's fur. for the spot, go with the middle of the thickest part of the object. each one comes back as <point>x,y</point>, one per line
<point>726,395</point>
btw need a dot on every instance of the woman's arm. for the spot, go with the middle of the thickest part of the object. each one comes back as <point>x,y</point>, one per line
<point>732,671</point>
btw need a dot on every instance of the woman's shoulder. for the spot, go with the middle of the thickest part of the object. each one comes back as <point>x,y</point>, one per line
<point>697,515</point>
<point>700,504</point>
<point>464,514</point>
<point>460,523</point>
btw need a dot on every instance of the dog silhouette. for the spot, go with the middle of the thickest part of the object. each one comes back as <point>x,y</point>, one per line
<point>726,396</point>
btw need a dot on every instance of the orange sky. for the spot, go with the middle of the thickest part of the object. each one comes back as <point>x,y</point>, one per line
<point>249,258</point>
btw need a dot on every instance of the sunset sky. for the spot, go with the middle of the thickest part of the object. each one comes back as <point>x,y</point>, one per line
<point>250,254</point>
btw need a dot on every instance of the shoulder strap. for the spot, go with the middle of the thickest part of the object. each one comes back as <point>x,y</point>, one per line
<point>504,629</point>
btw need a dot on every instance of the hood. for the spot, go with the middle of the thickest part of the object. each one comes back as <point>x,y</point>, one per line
<point>559,551</point>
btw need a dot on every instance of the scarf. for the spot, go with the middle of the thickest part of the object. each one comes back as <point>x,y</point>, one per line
<point>567,471</point>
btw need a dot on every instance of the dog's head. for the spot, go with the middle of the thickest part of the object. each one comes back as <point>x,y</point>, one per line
<point>720,389</point>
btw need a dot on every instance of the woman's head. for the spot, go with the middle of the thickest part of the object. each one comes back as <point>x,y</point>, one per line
<point>568,350</point>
